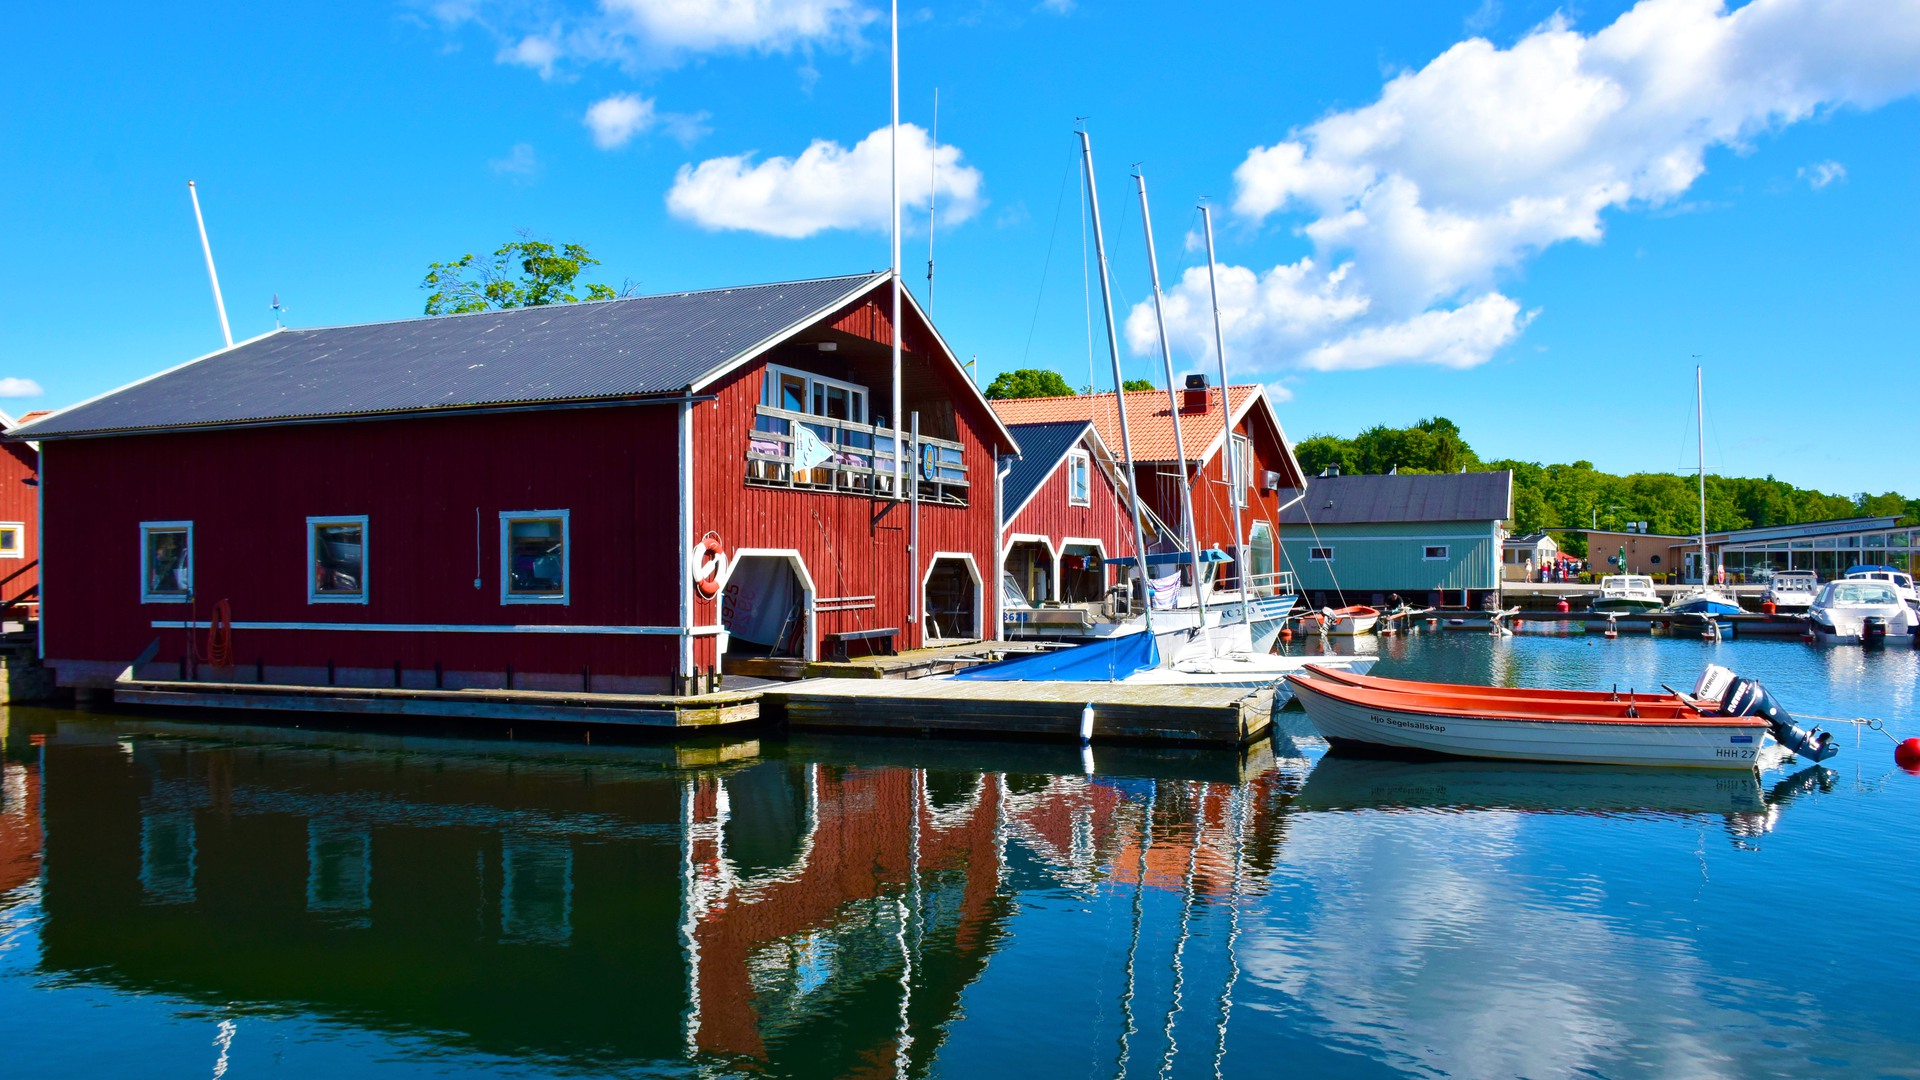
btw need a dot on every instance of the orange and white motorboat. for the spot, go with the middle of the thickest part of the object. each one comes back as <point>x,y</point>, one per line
<point>1723,725</point>
<point>1348,621</point>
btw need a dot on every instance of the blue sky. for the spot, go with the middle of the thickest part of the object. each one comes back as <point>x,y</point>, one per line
<point>1525,216</point>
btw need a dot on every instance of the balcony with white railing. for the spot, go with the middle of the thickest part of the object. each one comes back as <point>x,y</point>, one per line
<point>859,458</point>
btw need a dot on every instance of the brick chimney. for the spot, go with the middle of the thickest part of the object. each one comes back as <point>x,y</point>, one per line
<point>1195,398</point>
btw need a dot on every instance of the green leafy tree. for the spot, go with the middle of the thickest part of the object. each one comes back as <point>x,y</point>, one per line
<point>523,273</point>
<point>1028,383</point>
<point>1131,385</point>
<point>1317,453</point>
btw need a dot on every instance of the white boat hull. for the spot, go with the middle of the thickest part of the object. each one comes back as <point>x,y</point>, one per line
<point>1251,671</point>
<point>1734,745</point>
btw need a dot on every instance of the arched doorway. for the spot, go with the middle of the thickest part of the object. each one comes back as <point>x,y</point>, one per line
<point>1083,570</point>
<point>951,598</point>
<point>766,604</point>
<point>1030,561</point>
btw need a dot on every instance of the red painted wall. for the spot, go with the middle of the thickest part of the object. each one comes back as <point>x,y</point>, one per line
<point>853,545</point>
<point>1212,504</point>
<point>20,503</point>
<point>421,481</point>
<point>1104,519</point>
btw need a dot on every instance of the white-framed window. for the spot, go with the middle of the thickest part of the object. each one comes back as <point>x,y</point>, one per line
<point>1434,552</point>
<point>805,392</point>
<point>337,560</point>
<point>534,557</point>
<point>1079,478</point>
<point>1242,469</point>
<point>13,540</point>
<point>166,562</point>
<point>1320,554</point>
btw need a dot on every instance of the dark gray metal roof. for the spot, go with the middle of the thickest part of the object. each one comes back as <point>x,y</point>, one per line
<point>1041,448</point>
<point>609,349</point>
<point>1353,500</point>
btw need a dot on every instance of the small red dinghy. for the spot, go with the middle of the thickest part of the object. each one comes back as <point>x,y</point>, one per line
<point>1348,621</point>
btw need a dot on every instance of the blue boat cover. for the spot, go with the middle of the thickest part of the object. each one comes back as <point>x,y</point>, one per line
<point>1868,568</point>
<point>1108,660</point>
<point>1169,558</point>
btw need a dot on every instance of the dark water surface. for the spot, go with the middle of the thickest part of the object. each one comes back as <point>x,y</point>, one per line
<point>182,899</point>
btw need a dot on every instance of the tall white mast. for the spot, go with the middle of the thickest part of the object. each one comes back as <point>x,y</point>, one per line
<point>1700,421</point>
<point>933,192</point>
<point>1119,392</point>
<point>899,450</point>
<point>1173,395</point>
<point>207,248</point>
<point>1226,420</point>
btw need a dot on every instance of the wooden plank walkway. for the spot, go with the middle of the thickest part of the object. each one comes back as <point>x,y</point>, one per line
<point>911,664</point>
<point>1050,710</point>
<point>661,711</point>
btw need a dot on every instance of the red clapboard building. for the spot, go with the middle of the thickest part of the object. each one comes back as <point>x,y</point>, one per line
<point>1064,511</point>
<point>19,522</point>
<point>1264,473</point>
<point>609,496</point>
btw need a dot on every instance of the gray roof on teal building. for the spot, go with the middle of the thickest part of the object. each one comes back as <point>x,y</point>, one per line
<point>1042,446</point>
<point>1403,497</point>
<point>606,350</point>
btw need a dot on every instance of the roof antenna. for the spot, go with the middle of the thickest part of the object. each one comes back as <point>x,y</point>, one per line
<point>218,303</point>
<point>933,191</point>
<point>279,313</point>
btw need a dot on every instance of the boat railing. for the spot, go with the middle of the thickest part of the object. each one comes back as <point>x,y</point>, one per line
<point>860,457</point>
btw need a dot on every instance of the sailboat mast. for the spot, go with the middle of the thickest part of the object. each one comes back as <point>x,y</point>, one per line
<point>1119,384</point>
<point>1226,421</point>
<point>1173,396</point>
<point>899,465</point>
<point>1700,421</point>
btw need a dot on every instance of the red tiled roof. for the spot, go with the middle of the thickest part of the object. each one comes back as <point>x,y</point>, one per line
<point>28,418</point>
<point>1148,418</point>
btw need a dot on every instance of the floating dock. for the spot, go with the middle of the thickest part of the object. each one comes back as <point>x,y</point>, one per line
<point>666,712</point>
<point>1122,712</point>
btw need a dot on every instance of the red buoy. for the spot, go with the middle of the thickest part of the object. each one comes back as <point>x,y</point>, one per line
<point>1286,633</point>
<point>1561,607</point>
<point>1767,607</point>
<point>1907,754</point>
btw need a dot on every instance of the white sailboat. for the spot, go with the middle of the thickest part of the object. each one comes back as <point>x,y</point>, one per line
<point>1705,600</point>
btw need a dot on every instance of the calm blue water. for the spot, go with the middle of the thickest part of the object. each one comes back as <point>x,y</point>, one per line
<point>181,899</point>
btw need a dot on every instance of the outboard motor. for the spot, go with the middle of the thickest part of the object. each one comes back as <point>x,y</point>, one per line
<point>1746,697</point>
<point>1713,683</point>
<point>1873,630</point>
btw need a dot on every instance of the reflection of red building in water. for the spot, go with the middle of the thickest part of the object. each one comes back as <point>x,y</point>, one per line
<point>19,826</point>
<point>814,917</point>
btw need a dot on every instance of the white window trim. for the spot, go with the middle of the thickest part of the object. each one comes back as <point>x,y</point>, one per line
<point>1080,459</point>
<point>774,371</point>
<point>1425,549</point>
<point>1242,463</point>
<point>193,567</point>
<point>565,595</point>
<point>366,559</point>
<point>19,549</point>
<point>1312,555</point>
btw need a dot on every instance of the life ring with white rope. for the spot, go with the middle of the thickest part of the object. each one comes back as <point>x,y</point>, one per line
<point>708,564</point>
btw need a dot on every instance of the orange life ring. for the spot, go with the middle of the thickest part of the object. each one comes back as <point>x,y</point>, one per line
<point>709,562</point>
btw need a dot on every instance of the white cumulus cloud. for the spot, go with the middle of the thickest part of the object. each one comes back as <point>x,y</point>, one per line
<point>1417,203</point>
<point>13,386</point>
<point>828,186</point>
<point>614,121</point>
<point>755,25</point>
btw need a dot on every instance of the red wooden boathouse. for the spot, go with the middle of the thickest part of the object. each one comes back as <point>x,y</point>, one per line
<point>1265,475</point>
<point>607,496</point>
<point>19,523</point>
<point>1065,512</point>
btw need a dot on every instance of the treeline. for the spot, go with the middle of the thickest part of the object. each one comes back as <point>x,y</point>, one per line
<point>1578,496</point>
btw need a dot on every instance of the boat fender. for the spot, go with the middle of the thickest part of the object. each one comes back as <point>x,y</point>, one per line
<point>1086,724</point>
<point>1767,607</point>
<point>1906,754</point>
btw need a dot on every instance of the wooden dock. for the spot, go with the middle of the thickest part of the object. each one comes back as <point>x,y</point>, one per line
<point>911,664</point>
<point>1122,712</point>
<point>664,712</point>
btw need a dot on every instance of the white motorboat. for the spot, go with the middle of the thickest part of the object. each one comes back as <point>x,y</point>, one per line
<point>1857,611</point>
<point>1625,594</point>
<point>1901,581</point>
<point>1791,590</point>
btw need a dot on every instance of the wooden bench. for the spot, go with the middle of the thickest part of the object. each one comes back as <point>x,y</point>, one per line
<point>879,643</point>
